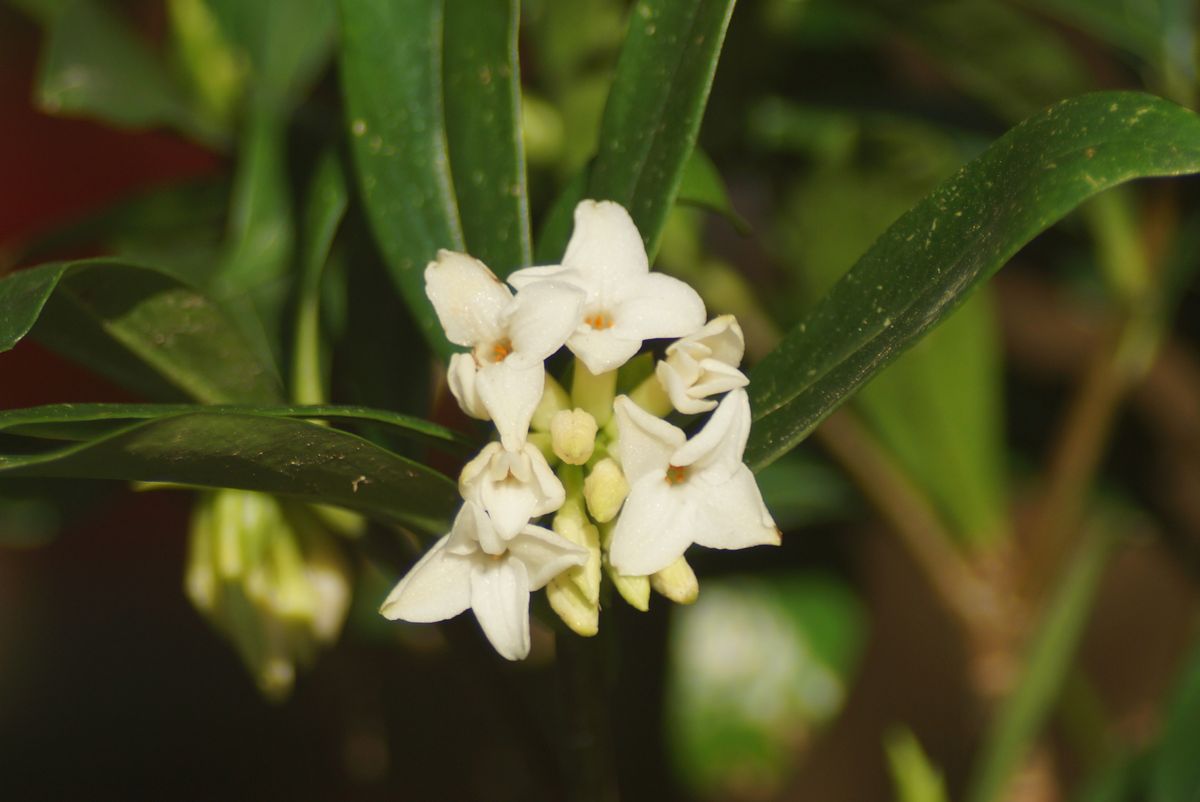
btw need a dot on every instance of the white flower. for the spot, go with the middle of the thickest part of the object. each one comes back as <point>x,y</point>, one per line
<point>458,573</point>
<point>513,486</point>
<point>686,491</point>
<point>703,364</point>
<point>502,378</point>
<point>626,303</point>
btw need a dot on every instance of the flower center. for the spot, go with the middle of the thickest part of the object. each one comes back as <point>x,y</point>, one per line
<point>501,349</point>
<point>676,474</point>
<point>599,320</point>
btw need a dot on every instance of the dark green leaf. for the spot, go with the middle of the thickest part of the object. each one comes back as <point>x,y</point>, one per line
<point>483,123</point>
<point>655,106</point>
<point>928,261</point>
<point>95,66</point>
<point>282,456</point>
<point>85,421</point>
<point>136,325</point>
<point>703,186</point>
<point>560,220</point>
<point>392,81</point>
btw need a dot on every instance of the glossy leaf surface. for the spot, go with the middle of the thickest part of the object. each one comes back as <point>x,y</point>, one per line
<point>282,456</point>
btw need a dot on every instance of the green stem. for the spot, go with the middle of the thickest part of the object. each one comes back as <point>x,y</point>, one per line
<point>589,760</point>
<point>1023,713</point>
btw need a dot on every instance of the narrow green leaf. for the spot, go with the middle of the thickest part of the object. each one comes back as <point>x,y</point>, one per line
<point>391,70</point>
<point>702,186</point>
<point>1174,771</point>
<point>95,66</point>
<point>1021,716</point>
<point>327,202</point>
<point>282,456</point>
<point>655,106</point>
<point>285,41</point>
<point>85,421</point>
<point>915,777</point>
<point>560,220</point>
<point>136,325</point>
<point>929,260</point>
<point>483,123</point>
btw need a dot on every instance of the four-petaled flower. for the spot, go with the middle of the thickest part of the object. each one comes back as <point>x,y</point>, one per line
<point>513,486</point>
<point>503,376</point>
<point>626,303</point>
<point>686,491</point>
<point>458,573</point>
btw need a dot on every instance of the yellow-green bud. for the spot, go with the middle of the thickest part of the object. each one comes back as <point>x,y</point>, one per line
<point>605,489</point>
<point>554,399</point>
<point>571,525</point>
<point>578,613</point>
<point>573,435</point>
<point>677,582</point>
<point>633,589</point>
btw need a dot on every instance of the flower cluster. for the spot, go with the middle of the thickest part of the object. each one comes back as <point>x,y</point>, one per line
<point>630,491</point>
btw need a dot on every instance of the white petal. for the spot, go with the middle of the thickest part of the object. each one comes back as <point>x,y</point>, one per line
<point>605,242</point>
<point>468,298</point>
<point>733,514</point>
<point>530,275</point>
<point>655,527</point>
<point>471,527</point>
<point>543,316</point>
<point>436,588</point>
<point>678,390</point>
<point>717,377</point>
<point>510,504</point>
<point>655,306</point>
<point>545,554</point>
<point>721,337</point>
<point>460,375</point>
<point>549,490</point>
<point>511,395</point>
<point>645,443</point>
<point>719,446</point>
<point>601,349</point>
<point>500,599</point>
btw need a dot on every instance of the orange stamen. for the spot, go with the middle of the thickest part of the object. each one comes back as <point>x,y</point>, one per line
<point>501,350</point>
<point>676,474</point>
<point>599,320</point>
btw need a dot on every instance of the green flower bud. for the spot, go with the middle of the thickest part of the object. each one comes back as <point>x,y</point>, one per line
<point>605,489</point>
<point>677,582</point>
<point>573,435</point>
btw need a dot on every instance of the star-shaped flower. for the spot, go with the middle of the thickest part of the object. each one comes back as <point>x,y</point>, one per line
<point>703,364</point>
<point>625,303</point>
<point>503,376</point>
<point>686,491</point>
<point>458,573</point>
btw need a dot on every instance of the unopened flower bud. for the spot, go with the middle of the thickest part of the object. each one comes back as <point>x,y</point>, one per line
<point>633,589</point>
<point>577,612</point>
<point>605,489</point>
<point>574,527</point>
<point>573,435</point>
<point>677,582</point>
